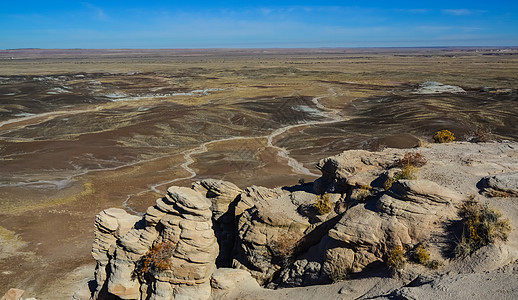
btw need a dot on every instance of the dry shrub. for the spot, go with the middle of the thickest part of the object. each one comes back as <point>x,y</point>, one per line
<point>286,244</point>
<point>420,254</point>
<point>361,194</point>
<point>412,159</point>
<point>388,183</point>
<point>482,226</point>
<point>407,172</point>
<point>481,135</point>
<point>498,194</point>
<point>157,259</point>
<point>396,258</point>
<point>323,205</point>
<point>434,264</point>
<point>443,136</point>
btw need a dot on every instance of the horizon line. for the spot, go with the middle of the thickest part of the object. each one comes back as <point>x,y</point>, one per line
<point>244,48</point>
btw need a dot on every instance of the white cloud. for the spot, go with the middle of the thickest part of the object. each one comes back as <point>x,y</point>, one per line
<point>458,12</point>
<point>98,12</point>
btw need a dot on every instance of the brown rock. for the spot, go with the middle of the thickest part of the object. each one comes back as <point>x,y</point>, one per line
<point>13,294</point>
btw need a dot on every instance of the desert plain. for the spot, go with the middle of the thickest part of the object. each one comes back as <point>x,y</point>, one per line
<point>84,130</point>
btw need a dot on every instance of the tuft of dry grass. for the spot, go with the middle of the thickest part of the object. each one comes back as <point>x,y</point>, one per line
<point>420,254</point>
<point>339,270</point>
<point>482,226</point>
<point>434,264</point>
<point>285,244</point>
<point>497,193</point>
<point>323,205</point>
<point>396,258</point>
<point>362,193</point>
<point>407,172</point>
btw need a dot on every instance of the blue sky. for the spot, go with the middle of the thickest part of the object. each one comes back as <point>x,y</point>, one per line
<point>245,24</point>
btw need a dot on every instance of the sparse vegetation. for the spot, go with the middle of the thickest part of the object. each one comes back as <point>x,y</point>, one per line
<point>361,194</point>
<point>285,245</point>
<point>482,226</point>
<point>407,172</point>
<point>443,136</point>
<point>396,258</point>
<point>415,159</point>
<point>420,254</point>
<point>434,264</point>
<point>498,193</point>
<point>157,259</point>
<point>323,205</point>
<point>481,135</point>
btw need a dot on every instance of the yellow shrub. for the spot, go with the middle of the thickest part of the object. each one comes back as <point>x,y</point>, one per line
<point>482,226</point>
<point>421,254</point>
<point>443,136</point>
<point>323,205</point>
<point>396,258</point>
<point>407,172</point>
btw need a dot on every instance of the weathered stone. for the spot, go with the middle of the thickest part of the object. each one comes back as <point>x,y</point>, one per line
<point>179,225</point>
<point>501,185</point>
<point>13,294</point>
<point>220,193</point>
<point>188,198</point>
<point>424,192</point>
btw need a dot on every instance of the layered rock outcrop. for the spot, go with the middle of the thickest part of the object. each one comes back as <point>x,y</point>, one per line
<point>170,253</point>
<point>346,222</point>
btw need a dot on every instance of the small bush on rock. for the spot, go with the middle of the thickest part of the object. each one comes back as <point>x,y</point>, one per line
<point>396,258</point>
<point>412,159</point>
<point>361,194</point>
<point>443,136</point>
<point>323,205</point>
<point>482,226</point>
<point>407,172</point>
<point>286,244</point>
<point>157,259</point>
<point>338,270</point>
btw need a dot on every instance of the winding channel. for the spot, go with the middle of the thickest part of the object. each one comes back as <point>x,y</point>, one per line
<point>333,116</point>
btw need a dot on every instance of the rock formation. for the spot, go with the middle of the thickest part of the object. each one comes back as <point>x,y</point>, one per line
<point>347,222</point>
<point>223,195</point>
<point>169,253</point>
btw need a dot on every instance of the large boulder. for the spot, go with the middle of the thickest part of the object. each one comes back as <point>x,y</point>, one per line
<point>501,185</point>
<point>269,227</point>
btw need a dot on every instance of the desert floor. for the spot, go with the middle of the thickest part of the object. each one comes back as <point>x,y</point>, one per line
<point>85,130</point>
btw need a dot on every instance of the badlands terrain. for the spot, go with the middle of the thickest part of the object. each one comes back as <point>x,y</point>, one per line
<point>85,130</point>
